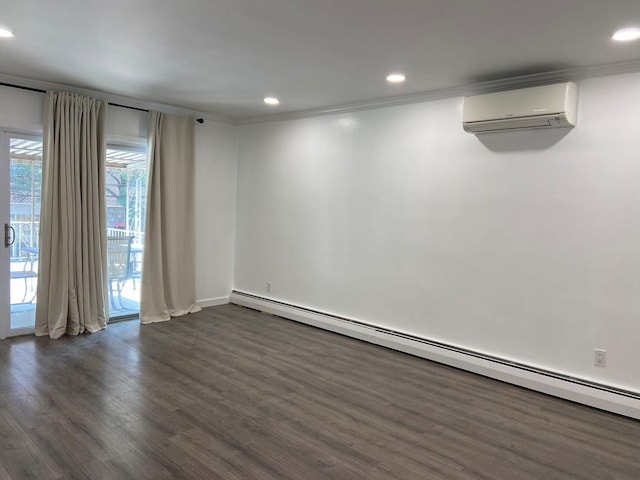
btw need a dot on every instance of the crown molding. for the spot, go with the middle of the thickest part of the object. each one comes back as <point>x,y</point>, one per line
<point>569,74</point>
<point>565,75</point>
<point>114,99</point>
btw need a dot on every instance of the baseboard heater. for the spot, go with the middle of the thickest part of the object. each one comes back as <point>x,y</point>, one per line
<point>616,400</point>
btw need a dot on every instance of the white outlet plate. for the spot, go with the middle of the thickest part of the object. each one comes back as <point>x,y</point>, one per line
<point>268,287</point>
<point>600,358</point>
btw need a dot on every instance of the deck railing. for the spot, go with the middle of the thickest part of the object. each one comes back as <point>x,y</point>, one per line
<point>138,237</point>
<point>27,237</point>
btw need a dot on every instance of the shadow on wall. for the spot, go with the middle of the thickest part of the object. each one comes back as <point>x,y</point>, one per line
<point>525,140</point>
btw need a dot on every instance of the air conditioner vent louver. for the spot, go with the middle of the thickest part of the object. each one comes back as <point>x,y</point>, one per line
<point>521,109</point>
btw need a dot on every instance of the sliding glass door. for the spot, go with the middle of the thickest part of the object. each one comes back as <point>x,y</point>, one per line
<point>20,186</point>
<point>126,197</point>
<point>21,180</point>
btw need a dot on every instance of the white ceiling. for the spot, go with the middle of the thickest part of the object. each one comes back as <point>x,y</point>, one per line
<point>224,56</point>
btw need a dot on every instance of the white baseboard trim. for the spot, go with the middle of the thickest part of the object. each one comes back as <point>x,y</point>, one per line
<point>611,399</point>
<point>213,302</point>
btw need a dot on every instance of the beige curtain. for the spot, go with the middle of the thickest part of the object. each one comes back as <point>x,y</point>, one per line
<point>168,270</point>
<point>71,284</point>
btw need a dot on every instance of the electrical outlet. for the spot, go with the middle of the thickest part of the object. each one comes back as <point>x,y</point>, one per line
<point>600,358</point>
<point>268,287</point>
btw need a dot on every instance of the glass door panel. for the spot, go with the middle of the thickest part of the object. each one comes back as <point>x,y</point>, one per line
<point>126,196</point>
<point>25,181</point>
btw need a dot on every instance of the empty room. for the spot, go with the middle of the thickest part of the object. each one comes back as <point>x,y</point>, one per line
<point>275,239</point>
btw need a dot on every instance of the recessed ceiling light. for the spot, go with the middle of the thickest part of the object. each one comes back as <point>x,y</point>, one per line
<point>4,33</point>
<point>626,34</point>
<point>396,78</point>
<point>271,101</point>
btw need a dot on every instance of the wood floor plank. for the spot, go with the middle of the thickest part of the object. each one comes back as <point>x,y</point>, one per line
<point>230,393</point>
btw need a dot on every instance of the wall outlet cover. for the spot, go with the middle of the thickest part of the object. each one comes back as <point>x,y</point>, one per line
<point>600,358</point>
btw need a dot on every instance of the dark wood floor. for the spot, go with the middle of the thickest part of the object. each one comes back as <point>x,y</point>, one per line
<point>230,393</point>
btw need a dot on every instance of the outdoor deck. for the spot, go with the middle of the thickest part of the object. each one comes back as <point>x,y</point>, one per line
<point>23,312</point>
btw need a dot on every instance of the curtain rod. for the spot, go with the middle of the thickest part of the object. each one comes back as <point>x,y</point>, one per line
<point>39,90</point>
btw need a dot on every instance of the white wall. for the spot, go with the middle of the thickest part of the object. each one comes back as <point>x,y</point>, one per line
<point>124,124</point>
<point>216,170</point>
<point>521,245</point>
<point>21,109</point>
<point>216,159</point>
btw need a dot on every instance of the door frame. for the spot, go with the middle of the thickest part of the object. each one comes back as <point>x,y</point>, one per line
<point>5,282</point>
<point>5,217</point>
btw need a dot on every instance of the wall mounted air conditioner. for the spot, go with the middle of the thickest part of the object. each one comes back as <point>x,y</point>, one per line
<point>547,106</point>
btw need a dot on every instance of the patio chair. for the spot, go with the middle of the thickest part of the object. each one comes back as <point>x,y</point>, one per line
<point>118,265</point>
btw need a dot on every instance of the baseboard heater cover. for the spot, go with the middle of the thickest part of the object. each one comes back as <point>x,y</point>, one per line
<point>605,397</point>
